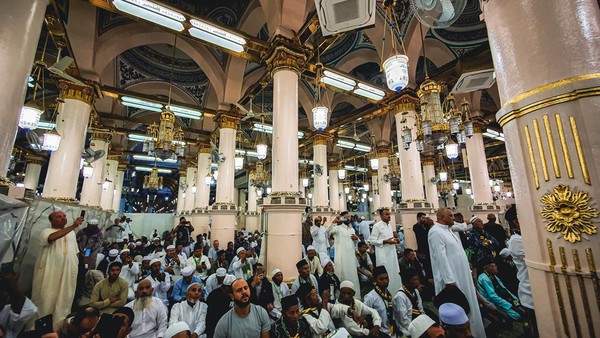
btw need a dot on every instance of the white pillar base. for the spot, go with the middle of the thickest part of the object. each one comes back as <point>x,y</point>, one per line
<point>408,217</point>
<point>223,224</point>
<point>251,221</point>
<point>200,219</point>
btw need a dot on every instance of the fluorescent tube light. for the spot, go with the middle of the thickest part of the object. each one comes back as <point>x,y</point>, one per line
<point>339,78</point>
<point>216,36</point>
<point>148,169</point>
<point>46,125</point>
<point>265,128</point>
<point>185,112</point>
<point>140,106</point>
<point>152,12</point>
<point>139,138</point>
<point>337,84</point>
<point>153,159</point>
<point>371,89</point>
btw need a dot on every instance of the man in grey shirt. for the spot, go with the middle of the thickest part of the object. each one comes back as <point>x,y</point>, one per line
<point>244,319</point>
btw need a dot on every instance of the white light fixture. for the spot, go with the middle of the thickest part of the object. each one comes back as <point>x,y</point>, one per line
<point>265,128</point>
<point>338,81</point>
<point>194,189</point>
<point>305,182</point>
<point>185,112</point>
<point>46,125</point>
<point>216,36</point>
<point>30,117</point>
<point>148,169</point>
<point>341,174</point>
<point>141,104</point>
<point>261,151</point>
<point>443,176</point>
<point>309,196</point>
<point>369,92</point>
<point>216,175</point>
<point>152,12</point>
<point>374,163</point>
<point>491,182</point>
<point>88,171</point>
<point>497,188</point>
<point>366,187</point>
<point>51,140</point>
<point>347,190</point>
<point>207,179</point>
<point>396,72</point>
<point>20,185</point>
<point>509,194</point>
<point>320,114</point>
<point>238,162</point>
<point>455,186</point>
<point>452,150</point>
<point>364,196</point>
<point>153,159</point>
<point>468,191</point>
<point>269,190</point>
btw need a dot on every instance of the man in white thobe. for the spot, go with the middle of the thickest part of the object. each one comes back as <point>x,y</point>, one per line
<point>191,311</point>
<point>55,274</point>
<point>161,281</point>
<point>384,238</point>
<point>150,319</point>
<point>319,237</point>
<point>280,290</point>
<point>344,258</point>
<point>130,271</point>
<point>451,267</point>
<point>241,265</point>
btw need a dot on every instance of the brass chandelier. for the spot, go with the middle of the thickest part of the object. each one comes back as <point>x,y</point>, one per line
<point>260,178</point>
<point>153,181</point>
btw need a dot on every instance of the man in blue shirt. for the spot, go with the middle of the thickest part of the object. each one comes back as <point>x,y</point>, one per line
<point>180,287</point>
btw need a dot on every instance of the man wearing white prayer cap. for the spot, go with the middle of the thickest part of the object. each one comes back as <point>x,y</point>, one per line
<point>215,280</point>
<point>113,255</point>
<point>161,281</point>
<point>129,272</point>
<point>172,263</point>
<point>191,310</point>
<point>347,298</point>
<point>178,330</point>
<point>455,321</point>
<point>314,263</point>
<point>89,241</point>
<point>424,326</point>
<point>181,285</point>
<point>280,290</point>
<point>241,265</point>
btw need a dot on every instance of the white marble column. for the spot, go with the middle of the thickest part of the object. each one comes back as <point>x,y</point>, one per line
<point>118,191</point>
<point>71,123</point>
<point>334,191</point>
<point>385,188</point>
<point>343,199</point>
<point>224,210</point>
<point>410,159</point>
<point>251,210</point>
<point>430,187</point>
<point>478,170</point>
<point>21,24</point>
<point>106,200</point>
<point>320,194</point>
<point>190,181</point>
<point>180,195</point>
<point>91,191</point>
<point>32,173</point>
<point>200,217</point>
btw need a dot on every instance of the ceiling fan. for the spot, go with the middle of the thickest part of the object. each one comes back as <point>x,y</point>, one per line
<point>249,113</point>
<point>354,137</point>
<point>60,67</point>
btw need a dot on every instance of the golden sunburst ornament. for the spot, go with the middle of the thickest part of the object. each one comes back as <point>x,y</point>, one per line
<point>568,212</point>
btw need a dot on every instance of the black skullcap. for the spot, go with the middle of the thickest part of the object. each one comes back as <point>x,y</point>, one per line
<point>115,263</point>
<point>379,270</point>
<point>303,291</point>
<point>220,252</point>
<point>301,263</point>
<point>198,246</point>
<point>452,295</point>
<point>288,301</point>
<point>408,274</point>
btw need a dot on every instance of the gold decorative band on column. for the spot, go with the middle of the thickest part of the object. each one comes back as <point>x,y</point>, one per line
<point>536,178</point>
<point>550,138</point>
<point>204,148</point>
<point>76,91</point>
<point>538,140</point>
<point>571,296</point>
<point>286,55</point>
<point>63,199</point>
<point>428,161</point>
<point>548,102</point>
<point>583,292</point>
<point>564,146</point>
<point>320,138</point>
<point>35,160</point>
<point>227,121</point>
<point>122,167</point>
<point>592,267</point>
<point>561,304</point>
<point>580,155</point>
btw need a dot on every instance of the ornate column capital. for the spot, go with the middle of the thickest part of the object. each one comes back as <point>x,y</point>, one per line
<point>34,159</point>
<point>122,167</point>
<point>478,126</point>
<point>286,53</point>
<point>382,151</point>
<point>408,101</point>
<point>427,161</point>
<point>334,165</point>
<point>76,91</point>
<point>204,148</point>
<point>227,120</point>
<point>320,138</point>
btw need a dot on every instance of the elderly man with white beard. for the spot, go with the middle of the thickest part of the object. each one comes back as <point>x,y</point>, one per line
<point>191,311</point>
<point>150,313</point>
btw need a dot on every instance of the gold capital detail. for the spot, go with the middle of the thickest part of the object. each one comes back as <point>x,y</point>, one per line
<point>204,148</point>
<point>568,212</point>
<point>321,139</point>
<point>75,91</point>
<point>285,54</point>
<point>428,161</point>
<point>227,121</point>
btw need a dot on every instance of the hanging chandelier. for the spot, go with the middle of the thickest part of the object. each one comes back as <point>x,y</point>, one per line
<point>320,111</point>
<point>153,181</point>
<point>393,170</point>
<point>396,66</point>
<point>260,178</point>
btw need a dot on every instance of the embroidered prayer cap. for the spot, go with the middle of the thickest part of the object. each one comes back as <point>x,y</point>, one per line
<point>155,239</point>
<point>379,270</point>
<point>240,249</point>
<point>229,279</point>
<point>221,272</point>
<point>288,301</point>
<point>187,271</point>
<point>93,221</point>
<point>124,251</point>
<point>176,328</point>
<point>113,253</point>
<point>474,218</point>
<point>347,284</point>
<point>419,325</point>
<point>193,283</point>
<point>171,247</point>
<point>155,260</point>
<point>275,271</point>
<point>310,247</point>
<point>304,291</point>
<point>147,258</point>
<point>452,314</point>
<point>326,261</point>
<point>301,263</point>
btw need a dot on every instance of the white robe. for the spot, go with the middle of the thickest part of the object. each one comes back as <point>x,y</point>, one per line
<point>236,265</point>
<point>12,322</point>
<point>194,317</point>
<point>149,323</point>
<point>319,237</point>
<point>278,293</point>
<point>55,275</point>
<point>161,288</point>
<point>450,266</point>
<point>517,251</point>
<point>192,262</point>
<point>345,257</point>
<point>385,254</point>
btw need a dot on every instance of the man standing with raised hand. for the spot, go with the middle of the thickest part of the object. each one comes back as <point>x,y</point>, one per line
<point>451,267</point>
<point>344,259</point>
<point>384,239</point>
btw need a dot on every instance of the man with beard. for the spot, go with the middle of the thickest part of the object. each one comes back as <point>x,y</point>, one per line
<point>230,252</point>
<point>384,239</point>
<point>219,302</point>
<point>425,327</point>
<point>329,280</point>
<point>319,314</point>
<point>290,324</point>
<point>314,263</point>
<point>451,267</point>
<point>191,311</point>
<point>347,298</point>
<point>245,319</point>
<point>150,313</point>
<point>380,299</point>
<point>161,281</point>
<point>113,256</point>
<point>56,268</point>
<point>482,243</point>
<point>344,237</point>
<point>215,280</point>
<point>110,293</point>
<point>172,263</point>
<point>82,322</point>
<point>241,265</point>
<point>421,231</point>
<point>280,290</point>
<point>304,277</point>
<point>220,262</point>
<point>319,237</point>
<point>199,262</point>
<point>90,238</point>
<point>129,272</point>
<point>180,287</point>
<point>364,266</point>
<point>213,252</point>
<point>261,290</point>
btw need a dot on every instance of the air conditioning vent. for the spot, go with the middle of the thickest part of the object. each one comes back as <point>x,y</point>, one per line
<point>337,16</point>
<point>470,82</point>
